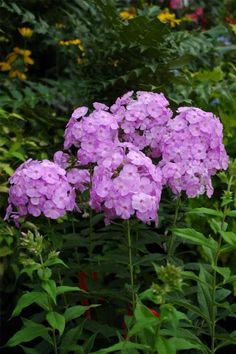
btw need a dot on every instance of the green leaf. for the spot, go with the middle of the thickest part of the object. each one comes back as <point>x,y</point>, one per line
<point>222,294</point>
<point>54,261</point>
<point>231,213</point>
<point>28,333</point>
<point>192,308</point>
<point>70,338</point>
<point>224,271</point>
<point>164,346</point>
<point>189,275</point>
<point>229,237</point>
<point>226,339</point>
<point>51,289</point>
<point>5,251</point>
<point>76,311</point>
<point>27,300</point>
<point>65,289</point>
<point>122,346</point>
<point>7,168</point>
<point>88,345</point>
<point>16,8</point>
<point>193,236</point>
<point>143,313</point>
<point>75,348</point>
<point>18,154</point>
<point>56,321</point>
<point>204,293</point>
<point>29,350</point>
<point>143,324</point>
<point>183,344</point>
<point>205,211</point>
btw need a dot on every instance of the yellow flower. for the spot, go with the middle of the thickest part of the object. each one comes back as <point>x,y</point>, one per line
<point>70,41</point>
<point>5,66</point>
<point>128,14</point>
<point>17,50</point>
<point>28,60</point>
<point>17,73</point>
<point>25,32</point>
<point>24,53</point>
<point>26,57</point>
<point>75,41</point>
<point>11,58</point>
<point>169,18</point>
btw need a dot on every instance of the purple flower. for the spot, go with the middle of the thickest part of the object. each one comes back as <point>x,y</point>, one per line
<point>40,187</point>
<point>192,151</point>
<point>79,178</point>
<point>133,187</point>
<point>61,159</point>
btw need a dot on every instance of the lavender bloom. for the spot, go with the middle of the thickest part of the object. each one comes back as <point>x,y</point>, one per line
<point>192,151</point>
<point>40,187</point>
<point>132,187</point>
<point>142,120</point>
<point>94,135</point>
<point>118,144</point>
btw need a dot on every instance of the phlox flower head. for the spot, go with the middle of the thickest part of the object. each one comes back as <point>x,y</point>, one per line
<point>93,135</point>
<point>131,188</point>
<point>40,187</point>
<point>192,151</point>
<point>142,119</point>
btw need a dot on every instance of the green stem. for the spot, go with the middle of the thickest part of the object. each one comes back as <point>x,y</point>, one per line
<point>54,338</point>
<point>213,315</point>
<point>63,295</point>
<point>90,239</point>
<point>214,308</point>
<point>131,267</point>
<point>172,236</point>
<point>54,341</point>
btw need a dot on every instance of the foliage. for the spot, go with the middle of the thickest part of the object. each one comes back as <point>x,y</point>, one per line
<point>70,290</point>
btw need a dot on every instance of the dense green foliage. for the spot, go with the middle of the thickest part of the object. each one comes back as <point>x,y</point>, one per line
<point>65,285</point>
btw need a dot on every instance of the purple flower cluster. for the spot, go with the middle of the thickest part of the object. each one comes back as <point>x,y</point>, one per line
<point>40,187</point>
<point>143,119</point>
<point>192,151</point>
<point>190,145</point>
<point>94,135</point>
<point>131,185</point>
<point>116,150</point>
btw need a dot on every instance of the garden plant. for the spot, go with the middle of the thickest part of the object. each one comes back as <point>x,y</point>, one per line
<point>117,229</point>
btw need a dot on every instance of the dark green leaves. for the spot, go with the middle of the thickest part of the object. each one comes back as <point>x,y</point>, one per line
<point>76,311</point>
<point>195,237</point>
<point>29,332</point>
<point>28,299</point>
<point>56,321</point>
